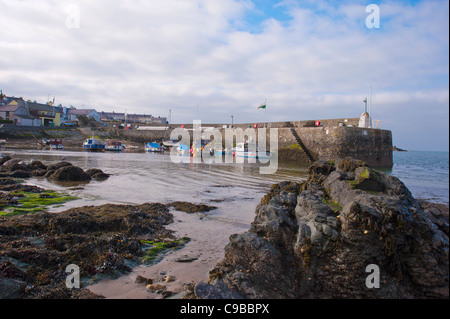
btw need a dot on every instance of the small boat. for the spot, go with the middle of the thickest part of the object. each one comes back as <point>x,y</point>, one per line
<point>93,144</point>
<point>114,146</point>
<point>130,147</point>
<point>170,143</point>
<point>183,150</point>
<point>250,150</point>
<point>154,148</point>
<point>56,144</point>
<point>199,145</point>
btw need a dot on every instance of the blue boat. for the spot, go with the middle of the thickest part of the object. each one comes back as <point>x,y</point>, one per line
<point>94,145</point>
<point>154,148</point>
<point>183,150</point>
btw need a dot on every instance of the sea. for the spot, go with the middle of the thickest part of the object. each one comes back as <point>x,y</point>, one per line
<point>425,173</point>
<point>141,177</point>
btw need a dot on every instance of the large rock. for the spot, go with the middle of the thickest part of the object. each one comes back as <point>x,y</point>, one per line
<point>70,174</point>
<point>14,165</point>
<point>11,289</point>
<point>317,240</point>
<point>97,174</point>
<point>56,166</point>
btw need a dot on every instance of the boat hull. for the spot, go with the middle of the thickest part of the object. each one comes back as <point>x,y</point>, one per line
<point>253,155</point>
<point>94,148</point>
<point>114,148</point>
<point>154,148</point>
<point>93,145</point>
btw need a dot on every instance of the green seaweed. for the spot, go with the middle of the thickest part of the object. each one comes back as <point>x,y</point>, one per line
<point>293,146</point>
<point>156,249</point>
<point>30,203</point>
<point>365,174</point>
<point>335,206</point>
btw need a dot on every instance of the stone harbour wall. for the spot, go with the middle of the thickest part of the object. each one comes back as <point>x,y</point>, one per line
<point>333,140</point>
<point>372,146</point>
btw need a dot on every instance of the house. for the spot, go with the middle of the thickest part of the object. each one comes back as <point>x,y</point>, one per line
<point>132,118</point>
<point>50,115</point>
<point>18,112</point>
<point>112,116</point>
<point>160,120</point>
<point>72,114</point>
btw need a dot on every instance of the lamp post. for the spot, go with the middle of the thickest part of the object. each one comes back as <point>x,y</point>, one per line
<point>232,121</point>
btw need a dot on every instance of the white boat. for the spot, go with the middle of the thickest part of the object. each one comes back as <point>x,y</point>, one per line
<point>114,146</point>
<point>170,143</point>
<point>56,144</point>
<point>250,150</point>
<point>93,144</point>
<point>154,148</point>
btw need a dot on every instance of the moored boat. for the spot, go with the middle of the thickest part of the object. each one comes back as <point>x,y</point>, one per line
<point>56,144</point>
<point>93,144</point>
<point>170,143</point>
<point>183,150</point>
<point>114,146</point>
<point>154,147</point>
<point>250,150</point>
<point>199,145</point>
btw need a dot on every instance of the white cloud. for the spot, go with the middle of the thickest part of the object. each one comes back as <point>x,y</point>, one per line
<point>152,56</point>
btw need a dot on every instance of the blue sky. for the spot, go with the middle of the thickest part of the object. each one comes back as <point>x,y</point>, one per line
<point>309,59</point>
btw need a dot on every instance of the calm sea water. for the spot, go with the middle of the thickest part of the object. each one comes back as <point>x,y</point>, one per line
<point>141,177</point>
<point>425,173</point>
<point>136,178</point>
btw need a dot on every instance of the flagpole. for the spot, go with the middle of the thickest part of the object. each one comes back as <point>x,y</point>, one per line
<point>265,113</point>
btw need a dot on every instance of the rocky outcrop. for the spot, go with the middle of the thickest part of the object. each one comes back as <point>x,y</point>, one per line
<point>57,172</point>
<point>327,237</point>
<point>35,249</point>
<point>70,174</point>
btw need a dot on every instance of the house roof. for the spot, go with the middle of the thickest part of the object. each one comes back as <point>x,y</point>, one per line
<point>80,112</point>
<point>41,107</point>
<point>27,117</point>
<point>8,108</point>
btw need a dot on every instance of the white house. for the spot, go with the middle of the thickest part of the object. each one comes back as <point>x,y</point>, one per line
<point>19,114</point>
<point>72,114</point>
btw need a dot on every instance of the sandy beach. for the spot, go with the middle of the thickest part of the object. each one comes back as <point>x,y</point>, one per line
<point>206,247</point>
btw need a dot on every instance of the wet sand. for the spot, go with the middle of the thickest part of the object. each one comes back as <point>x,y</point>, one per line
<point>207,245</point>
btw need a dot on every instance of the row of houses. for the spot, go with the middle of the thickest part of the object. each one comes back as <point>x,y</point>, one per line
<point>27,113</point>
<point>132,118</point>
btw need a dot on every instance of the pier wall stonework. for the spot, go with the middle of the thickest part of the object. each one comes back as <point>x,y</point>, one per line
<point>373,146</point>
<point>329,142</point>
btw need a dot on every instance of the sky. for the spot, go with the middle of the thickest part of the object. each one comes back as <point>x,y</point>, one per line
<point>213,59</point>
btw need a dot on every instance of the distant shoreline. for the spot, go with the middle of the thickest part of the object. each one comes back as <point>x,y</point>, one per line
<point>396,149</point>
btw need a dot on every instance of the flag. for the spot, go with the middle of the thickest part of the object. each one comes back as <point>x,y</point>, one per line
<point>262,106</point>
